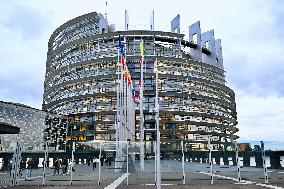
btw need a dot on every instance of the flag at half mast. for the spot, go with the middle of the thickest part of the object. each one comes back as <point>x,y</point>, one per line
<point>141,60</point>
<point>125,70</point>
<point>122,53</point>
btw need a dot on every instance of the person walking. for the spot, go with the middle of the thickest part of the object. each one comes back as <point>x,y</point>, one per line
<point>102,161</point>
<point>64,166</point>
<point>22,167</point>
<point>29,168</point>
<point>70,165</point>
<point>56,166</point>
<point>10,166</point>
<point>89,160</point>
<point>95,160</point>
<point>109,160</point>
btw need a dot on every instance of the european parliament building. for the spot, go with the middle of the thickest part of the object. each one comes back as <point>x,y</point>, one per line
<point>81,83</point>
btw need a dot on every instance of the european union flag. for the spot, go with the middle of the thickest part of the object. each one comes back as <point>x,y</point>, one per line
<point>120,46</point>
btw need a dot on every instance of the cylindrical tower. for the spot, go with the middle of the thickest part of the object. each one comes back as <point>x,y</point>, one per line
<point>81,82</point>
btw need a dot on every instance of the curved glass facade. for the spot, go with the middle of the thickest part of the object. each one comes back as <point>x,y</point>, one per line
<point>81,82</point>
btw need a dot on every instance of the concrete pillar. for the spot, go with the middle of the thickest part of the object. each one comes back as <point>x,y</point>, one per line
<point>282,161</point>
<point>267,161</point>
<point>221,161</point>
<point>241,161</point>
<point>230,159</point>
<point>252,162</point>
<point>213,161</point>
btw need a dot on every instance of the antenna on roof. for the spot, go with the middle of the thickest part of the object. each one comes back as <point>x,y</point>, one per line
<point>152,21</point>
<point>106,11</point>
<point>126,20</point>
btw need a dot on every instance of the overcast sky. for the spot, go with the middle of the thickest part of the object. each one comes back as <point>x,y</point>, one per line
<point>252,34</point>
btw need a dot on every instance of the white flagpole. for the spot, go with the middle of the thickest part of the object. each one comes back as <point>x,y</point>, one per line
<point>131,114</point>
<point>155,150</point>
<point>122,105</point>
<point>125,93</point>
<point>117,123</point>
<point>132,126</point>
<point>128,111</point>
<point>158,129</point>
<point>121,111</point>
<point>141,112</point>
<point>134,118</point>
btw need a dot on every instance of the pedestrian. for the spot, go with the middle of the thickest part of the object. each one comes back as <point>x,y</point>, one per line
<point>102,161</point>
<point>89,160</point>
<point>109,161</point>
<point>64,166</point>
<point>95,160</point>
<point>71,164</point>
<point>22,166</point>
<point>42,163</point>
<point>56,166</point>
<point>29,168</point>
<point>10,166</point>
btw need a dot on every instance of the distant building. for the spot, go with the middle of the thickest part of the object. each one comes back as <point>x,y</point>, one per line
<point>257,148</point>
<point>243,147</point>
<point>34,127</point>
<point>195,102</point>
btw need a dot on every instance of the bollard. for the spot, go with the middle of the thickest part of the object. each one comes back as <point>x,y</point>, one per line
<point>127,162</point>
<point>264,163</point>
<point>100,156</point>
<point>155,151</point>
<point>238,162</point>
<point>45,163</point>
<point>15,166</point>
<point>183,173</point>
<point>72,159</point>
<point>210,160</point>
<point>17,163</point>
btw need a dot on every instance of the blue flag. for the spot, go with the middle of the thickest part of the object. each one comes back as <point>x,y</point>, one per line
<point>120,45</point>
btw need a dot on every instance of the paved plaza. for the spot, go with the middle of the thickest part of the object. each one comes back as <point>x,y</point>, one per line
<point>196,176</point>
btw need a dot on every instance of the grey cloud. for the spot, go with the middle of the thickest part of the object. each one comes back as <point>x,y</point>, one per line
<point>22,90</point>
<point>30,23</point>
<point>267,77</point>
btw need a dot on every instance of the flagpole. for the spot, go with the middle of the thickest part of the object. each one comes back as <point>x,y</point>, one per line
<point>134,115</point>
<point>141,107</point>
<point>158,128</point>
<point>128,109</point>
<point>121,112</point>
<point>125,93</point>
<point>117,123</point>
<point>124,106</point>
